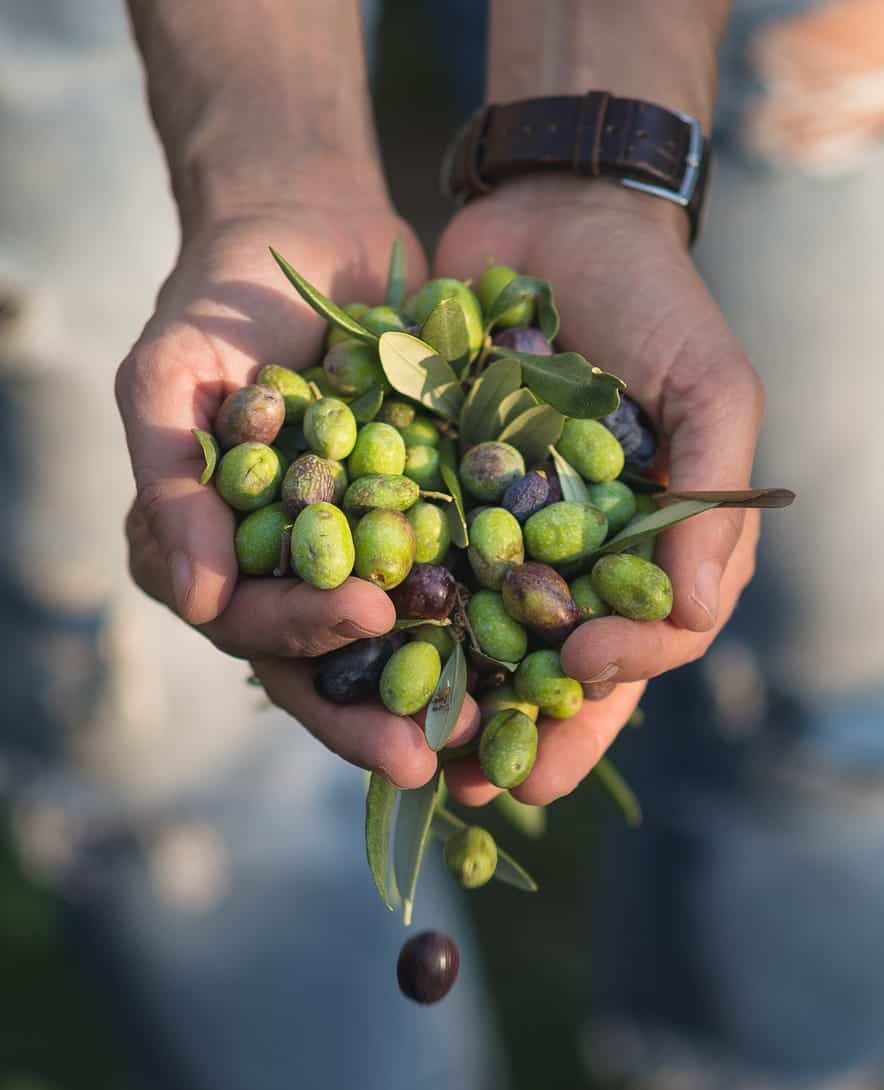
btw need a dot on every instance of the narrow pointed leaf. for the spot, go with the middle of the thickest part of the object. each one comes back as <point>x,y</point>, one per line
<point>379,804</point>
<point>768,498</point>
<point>481,659</point>
<point>518,291</point>
<point>649,525</point>
<point>410,840</point>
<point>415,622</point>
<point>512,406</point>
<point>508,870</point>
<point>211,452</point>
<point>457,519</point>
<point>395,293</point>
<point>638,483</point>
<point>447,701</point>
<point>572,484</point>
<point>445,330</point>
<point>533,432</point>
<point>529,820</point>
<point>478,419</point>
<point>322,305</point>
<point>609,779</point>
<point>367,406</point>
<point>416,370</point>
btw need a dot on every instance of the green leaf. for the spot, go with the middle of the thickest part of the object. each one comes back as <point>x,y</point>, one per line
<point>610,780</point>
<point>445,330</point>
<point>447,701</point>
<point>457,519</point>
<point>367,406</point>
<point>395,293</point>
<point>518,291</point>
<point>323,306</point>
<point>415,622</point>
<point>533,432</point>
<point>649,525</point>
<point>570,383</point>
<point>478,419</point>
<point>765,498</point>
<point>414,369</point>
<point>379,803</point>
<point>512,406</point>
<point>481,659</point>
<point>410,839</point>
<point>445,823</point>
<point>211,452</point>
<point>529,820</point>
<point>572,485</point>
<point>638,483</point>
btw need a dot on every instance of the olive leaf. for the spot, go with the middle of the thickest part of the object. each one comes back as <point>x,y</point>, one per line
<point>496,383</point>
<point>414,622</point>
<point>521,289</point>
<point>367,406</point>
<point>395,293</point>
<point>512,406</point>
<point>645,526</point>
<point>211,452</point>
<point>611,781</point>
<point>638,483</point>
<point>570,481</point>
<point>410,839</point>
<point>445,330</point>
<point>445,823</point>
<point>414,369</point>
<point>379,803</point>
<point>322,305</point>
<point>481,659</point>
<point>533,432</point>
<point>768,498</point>
<point>447,700</point>
<point>529,820</point>
<point>457,519</point>
<point>569,383</point>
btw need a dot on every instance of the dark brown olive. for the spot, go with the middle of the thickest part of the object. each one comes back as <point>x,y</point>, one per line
<point>351,674</point>
<point>252,414</point>
<point>538,597</point>
<point>427,592</point>
<point>428,966</point>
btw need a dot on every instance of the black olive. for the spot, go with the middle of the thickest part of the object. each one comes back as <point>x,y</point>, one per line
<point>428,966</point>
<point>351,674</point>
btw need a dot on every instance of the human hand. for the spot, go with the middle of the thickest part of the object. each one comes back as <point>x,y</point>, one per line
<point>632,303</point>
<point>224,312</point>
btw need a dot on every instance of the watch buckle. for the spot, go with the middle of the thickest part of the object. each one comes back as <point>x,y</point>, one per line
<point>693,161</point>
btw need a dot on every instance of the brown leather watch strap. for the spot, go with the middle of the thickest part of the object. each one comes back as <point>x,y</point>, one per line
<point>589,135</point>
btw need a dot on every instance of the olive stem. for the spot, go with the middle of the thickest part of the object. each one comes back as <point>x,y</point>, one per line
<point>429,495</point>
<point>285,552</point>
<point>463,620</point>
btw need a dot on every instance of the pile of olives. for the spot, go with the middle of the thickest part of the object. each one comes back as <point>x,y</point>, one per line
<point>493,550</point>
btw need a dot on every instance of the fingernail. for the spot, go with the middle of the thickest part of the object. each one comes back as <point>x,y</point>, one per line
<point>598,690</point>
<point>706,589</point>
<point>181,572</point>
<point>609,672</point>
<point>351,630</point>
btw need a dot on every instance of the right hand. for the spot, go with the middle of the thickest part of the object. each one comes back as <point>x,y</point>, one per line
<point>225,311</point>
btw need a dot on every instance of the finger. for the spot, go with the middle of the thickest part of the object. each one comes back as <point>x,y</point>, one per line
<point>467,784</point>
<point>287,619</point>
<point>568,749</point>
<point>466,726</point>
<point>712,413</point>
<point>366,735</point>
<point>616,649</point>
<point>161,399</point>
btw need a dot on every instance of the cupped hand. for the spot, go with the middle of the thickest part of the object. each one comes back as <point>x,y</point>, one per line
<point>632,302</point>
<point>224,312</point>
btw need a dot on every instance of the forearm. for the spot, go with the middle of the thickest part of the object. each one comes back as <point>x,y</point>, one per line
<point>662,52</point>
<point>263,103</point>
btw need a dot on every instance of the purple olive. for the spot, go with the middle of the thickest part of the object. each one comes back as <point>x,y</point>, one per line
<point>538,597</point>
<point>428,966</point>
<point>523,339</point>
<point>527,495</point>
<point>252,414</point>
<point>427,592</point>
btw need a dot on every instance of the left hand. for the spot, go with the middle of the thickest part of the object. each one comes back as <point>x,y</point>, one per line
<point>632,303</point>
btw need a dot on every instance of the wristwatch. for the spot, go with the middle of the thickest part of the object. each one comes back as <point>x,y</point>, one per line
<point>649,148</point>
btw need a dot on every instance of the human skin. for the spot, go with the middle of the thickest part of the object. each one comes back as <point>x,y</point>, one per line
<point>632,302</point>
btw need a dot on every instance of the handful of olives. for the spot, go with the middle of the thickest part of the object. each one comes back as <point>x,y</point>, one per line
<point>443,450</point>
